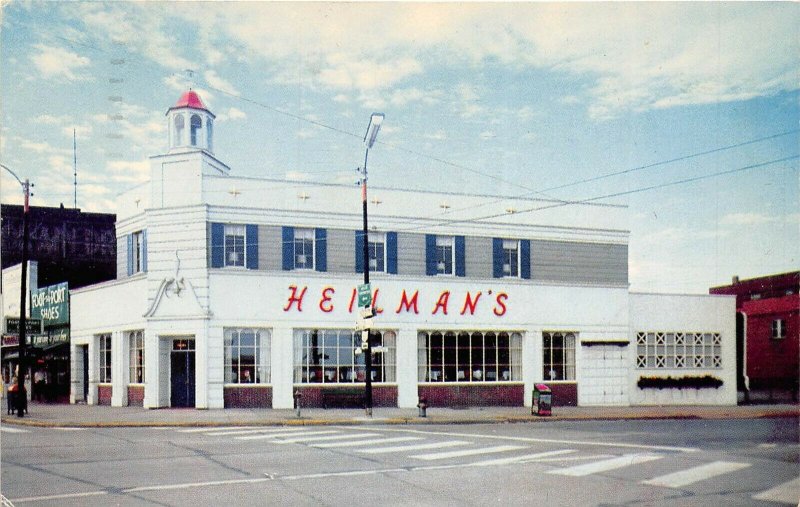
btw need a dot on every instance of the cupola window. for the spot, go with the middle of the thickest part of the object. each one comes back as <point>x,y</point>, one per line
<point>178,130</point>
<point>195,125</point>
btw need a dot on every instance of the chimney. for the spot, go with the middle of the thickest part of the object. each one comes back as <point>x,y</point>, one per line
<point>735,280</point>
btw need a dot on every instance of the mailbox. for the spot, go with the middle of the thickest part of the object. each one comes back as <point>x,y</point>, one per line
<point>542,400</point>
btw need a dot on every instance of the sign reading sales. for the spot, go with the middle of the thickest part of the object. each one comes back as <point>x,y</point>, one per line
<point>51,304</point>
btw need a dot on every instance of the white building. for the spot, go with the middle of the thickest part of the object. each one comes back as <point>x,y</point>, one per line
<point>235,292</point>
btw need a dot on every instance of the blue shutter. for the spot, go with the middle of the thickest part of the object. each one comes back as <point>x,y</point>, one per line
<point>461,269</point>
<point>391,253</point>
<point>497,257</point>
<point>129,237</point>
<point>430,254</point>
<point>144,251</point>
<point>217,245</point>
<point>251,245</point>
<point>288,248</point>
<point>359,251</point>
<point>320,250</point>
<point>525,258</point>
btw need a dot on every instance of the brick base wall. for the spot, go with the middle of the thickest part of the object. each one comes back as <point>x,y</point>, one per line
<point>248,397</point>
<point>135,396</point>
<point>104,395</point>
<point>564,395</point>
<point>382,396</point>
<point>473,395</point>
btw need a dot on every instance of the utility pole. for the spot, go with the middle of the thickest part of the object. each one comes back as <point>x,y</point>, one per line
<point>23,299</point>
<point>369,139</point>
<point>23,295</point>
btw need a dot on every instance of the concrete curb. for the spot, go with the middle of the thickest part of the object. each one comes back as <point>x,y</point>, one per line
<point>433,419</point>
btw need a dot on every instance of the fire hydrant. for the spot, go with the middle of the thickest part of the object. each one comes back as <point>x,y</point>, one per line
<point>423,406</point>
<point>297,396</point>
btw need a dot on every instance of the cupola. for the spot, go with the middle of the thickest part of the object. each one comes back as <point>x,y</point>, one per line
<point>190,124</point>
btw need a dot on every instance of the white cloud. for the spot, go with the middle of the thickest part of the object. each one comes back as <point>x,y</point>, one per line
<point>745,219</point>
<point>487,135</point>
<point>305,133</point>
<point>54,62</point>
<point>231,114</point>
<point>125,171</point>
<point>47,119</point>
<point>81,131</point>
<point>297,176</point>
<point>215,81</point>
<point>439,135</point>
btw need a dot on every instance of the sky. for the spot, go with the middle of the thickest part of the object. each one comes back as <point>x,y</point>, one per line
<point>689,113</point>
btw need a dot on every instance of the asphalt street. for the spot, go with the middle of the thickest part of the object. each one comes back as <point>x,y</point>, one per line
<point>634,462</point>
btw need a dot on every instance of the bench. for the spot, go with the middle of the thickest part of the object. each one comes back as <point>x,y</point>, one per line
<point>343,398</point>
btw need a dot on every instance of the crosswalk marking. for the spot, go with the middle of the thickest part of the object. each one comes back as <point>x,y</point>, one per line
<point>695,474</point>
<point>788,492</point>
<point>7,429</point>
<point>605,465</point>
<point>252,431</point>
<point>359,443</point>
<point>200,430</point>
<point>525,458</point>
<point>468,452</point>
<point>413,447</point>
<point>313,438</point>
<point>273,435</point>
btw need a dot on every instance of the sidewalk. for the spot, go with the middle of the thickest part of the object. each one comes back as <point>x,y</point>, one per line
<point>104,416</point>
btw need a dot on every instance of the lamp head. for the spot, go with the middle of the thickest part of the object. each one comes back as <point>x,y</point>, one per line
<point>372,130</point>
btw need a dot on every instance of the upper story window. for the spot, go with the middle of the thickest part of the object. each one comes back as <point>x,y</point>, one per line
<point>234,245</point>
<point>377,252</point>
<point>510,257</point>
<point>445,255</point>
<point>303,249</point>
<point>195,125</point>
<point>137,252</point>
<point>778,329</point>
<point>382,251</point>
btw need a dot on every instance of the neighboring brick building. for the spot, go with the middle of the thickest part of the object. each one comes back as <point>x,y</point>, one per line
<point>64,245</point>
<point>69,245</point>
<point>768,333</point>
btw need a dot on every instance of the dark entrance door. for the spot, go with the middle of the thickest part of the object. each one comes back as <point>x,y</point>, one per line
<point>85,350</point>
<point>182,359</point>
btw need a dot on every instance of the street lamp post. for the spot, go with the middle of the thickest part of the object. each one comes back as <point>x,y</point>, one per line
<point>21,395</point>
<point>369,139</point>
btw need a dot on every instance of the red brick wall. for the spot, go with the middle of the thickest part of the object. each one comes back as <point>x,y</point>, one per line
<point>382,396</point>
<point>104,395</point>
<point>472,395</point>
<point>248,397</point>
<point>769,361</point>
<point>136,396</point>
<point>564,394</point>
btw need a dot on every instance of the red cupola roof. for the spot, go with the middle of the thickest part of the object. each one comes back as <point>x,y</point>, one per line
<point>191,99</point>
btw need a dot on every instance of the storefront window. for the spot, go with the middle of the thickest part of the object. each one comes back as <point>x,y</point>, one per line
<point>559,355</point>
<point>329,356</point>
<point>247,356</point>
<point>469,356</point>
<point>105,358</point>
<point>136,340</point>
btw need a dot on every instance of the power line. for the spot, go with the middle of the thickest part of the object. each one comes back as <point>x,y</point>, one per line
<point>608,196</point>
